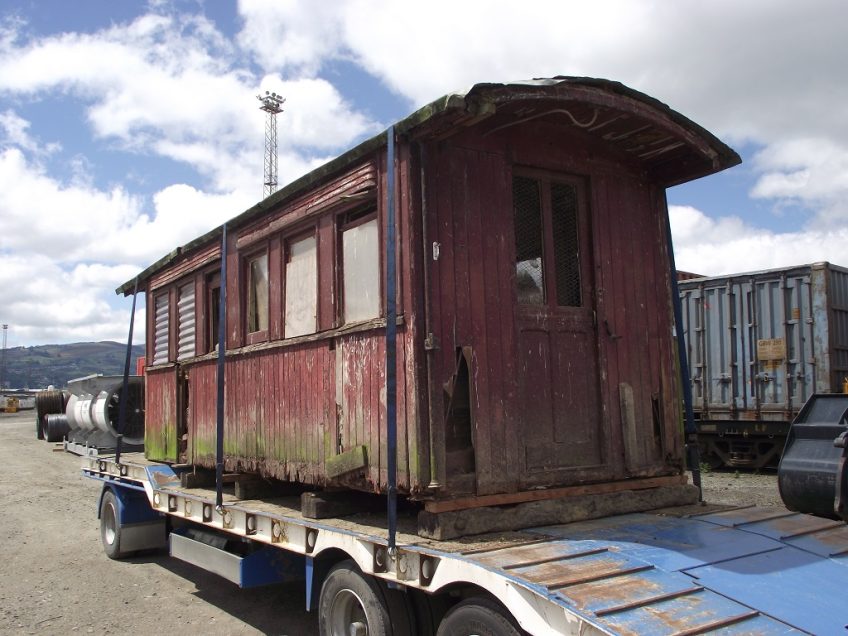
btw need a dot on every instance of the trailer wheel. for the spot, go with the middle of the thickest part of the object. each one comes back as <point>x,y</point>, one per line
<point>110,527</point>
<point>354,604</point>
<point>478,616</point>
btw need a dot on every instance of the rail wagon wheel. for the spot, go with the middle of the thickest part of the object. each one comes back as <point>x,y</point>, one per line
<point>110,527</point>
<point>354,604</point>
<point>480,617</point>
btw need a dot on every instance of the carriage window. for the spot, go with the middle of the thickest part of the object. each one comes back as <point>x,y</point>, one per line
<point>547,267</point>
<point>361,271</point>
<point>529,274</point>
<point>301,287</point>
<point>213,310</point>
<point>185,321</point>
<point>257,294</point>
<point>160,328</point>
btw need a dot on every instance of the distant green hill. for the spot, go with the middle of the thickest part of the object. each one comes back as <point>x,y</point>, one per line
<point>39,367</point>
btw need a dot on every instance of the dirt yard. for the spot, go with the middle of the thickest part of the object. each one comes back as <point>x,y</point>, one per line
<point>55,579</point>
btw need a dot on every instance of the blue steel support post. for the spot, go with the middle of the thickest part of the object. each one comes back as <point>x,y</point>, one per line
<point>692,451</point>
<point>391,340</point>
<point>122,409</point>
<point>222,346</point>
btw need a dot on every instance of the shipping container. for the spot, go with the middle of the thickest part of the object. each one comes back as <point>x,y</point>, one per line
<point>759,345</point>
<point>534,330</point>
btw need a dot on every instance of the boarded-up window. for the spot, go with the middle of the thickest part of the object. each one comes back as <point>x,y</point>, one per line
<point>186,322</point>
<point>301,287</point>
<point>547,242</point>
<point>257,293</point>
<point>361,271</point>
<point>160,329</point>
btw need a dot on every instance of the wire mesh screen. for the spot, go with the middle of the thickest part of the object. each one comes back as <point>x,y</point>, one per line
<point>529,274</point>
<point>566,244</point>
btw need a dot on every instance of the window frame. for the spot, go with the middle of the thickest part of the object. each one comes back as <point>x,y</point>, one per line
<point>259,335</point>
<point>286,242</point>
<point>345,221</point>
<point>211,282</point>
<point>545,179</point>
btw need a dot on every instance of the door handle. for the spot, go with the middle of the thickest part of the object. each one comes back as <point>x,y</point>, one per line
<point>613,336</point>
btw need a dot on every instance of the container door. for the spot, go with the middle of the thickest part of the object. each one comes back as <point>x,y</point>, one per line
<point>557,341</point>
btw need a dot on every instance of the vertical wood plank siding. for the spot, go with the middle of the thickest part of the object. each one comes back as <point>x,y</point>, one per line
<point>286,414</point>
<point>160,411</point>
<point>469,187</point>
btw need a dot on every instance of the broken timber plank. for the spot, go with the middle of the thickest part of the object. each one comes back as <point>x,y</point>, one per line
<point>346,462</point>
<point>464,503</point>
<point>450,525</point>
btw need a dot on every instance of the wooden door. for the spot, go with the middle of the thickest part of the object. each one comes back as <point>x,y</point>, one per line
<point>561,424</point>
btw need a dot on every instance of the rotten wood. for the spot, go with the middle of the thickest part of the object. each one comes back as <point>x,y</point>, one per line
<point>450,525</point>
<point>467,503</point>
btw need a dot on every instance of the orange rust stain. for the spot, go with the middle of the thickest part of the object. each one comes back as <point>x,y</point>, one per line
<point>561,571</point>
<point>619,590</point>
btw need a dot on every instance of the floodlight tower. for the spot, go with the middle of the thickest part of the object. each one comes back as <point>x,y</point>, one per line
<point>271,103</point>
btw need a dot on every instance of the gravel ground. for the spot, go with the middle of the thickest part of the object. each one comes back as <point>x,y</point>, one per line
<point>55,579</point>
<point>741,488</point>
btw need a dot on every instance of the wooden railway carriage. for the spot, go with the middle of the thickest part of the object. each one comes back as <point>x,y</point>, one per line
<point>534,330</point>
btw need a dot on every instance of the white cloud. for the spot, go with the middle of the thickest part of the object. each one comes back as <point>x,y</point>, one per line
<point>42,302</point>
<point>727,245</point>
<point>173,86</point>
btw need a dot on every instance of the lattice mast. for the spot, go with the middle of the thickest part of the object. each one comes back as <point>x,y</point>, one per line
<point>271,104</point>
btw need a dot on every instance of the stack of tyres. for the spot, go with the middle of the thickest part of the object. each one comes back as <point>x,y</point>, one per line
<point>813,472</point>
<point>47,403</point>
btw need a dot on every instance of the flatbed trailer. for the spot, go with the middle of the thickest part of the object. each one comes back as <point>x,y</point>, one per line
<point>685,570</point>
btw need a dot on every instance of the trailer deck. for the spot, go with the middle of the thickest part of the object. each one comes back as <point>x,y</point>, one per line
<point>686,570</point>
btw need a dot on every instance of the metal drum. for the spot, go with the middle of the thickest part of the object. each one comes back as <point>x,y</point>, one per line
<point>813,472</point>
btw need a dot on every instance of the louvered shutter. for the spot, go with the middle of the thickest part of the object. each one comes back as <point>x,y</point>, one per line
<point>160,329</point>
<point>186,318</point>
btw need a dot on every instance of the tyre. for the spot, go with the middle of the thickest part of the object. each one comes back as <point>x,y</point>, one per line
<point>57,428</point>
<point>39,427</point>
<point>110,526</point>
<point>354,604</point>
<point>478,617</point>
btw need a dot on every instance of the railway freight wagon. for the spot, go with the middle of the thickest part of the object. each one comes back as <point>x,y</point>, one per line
<point>759,345</point>
<point>534,312</point>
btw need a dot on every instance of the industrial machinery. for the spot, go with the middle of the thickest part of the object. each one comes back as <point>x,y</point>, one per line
<point>813,472</point>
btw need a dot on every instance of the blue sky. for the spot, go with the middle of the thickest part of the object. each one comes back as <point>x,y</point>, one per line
<point>127,128</point>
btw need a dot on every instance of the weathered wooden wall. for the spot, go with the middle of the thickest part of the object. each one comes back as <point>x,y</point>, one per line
<point>160,412</point>
<point>627,368</point>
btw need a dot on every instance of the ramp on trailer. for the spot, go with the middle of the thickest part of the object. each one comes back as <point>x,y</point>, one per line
<point>687,570</point>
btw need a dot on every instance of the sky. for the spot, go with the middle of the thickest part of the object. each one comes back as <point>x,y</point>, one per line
<point>128,128</point>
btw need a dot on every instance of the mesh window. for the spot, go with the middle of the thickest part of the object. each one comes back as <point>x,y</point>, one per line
<point>529,275</point>
<point>566,244</point>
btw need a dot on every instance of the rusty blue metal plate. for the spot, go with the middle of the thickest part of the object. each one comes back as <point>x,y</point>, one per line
<point>799,588</point>
<point>742,571</point>
<point>667,542</point>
